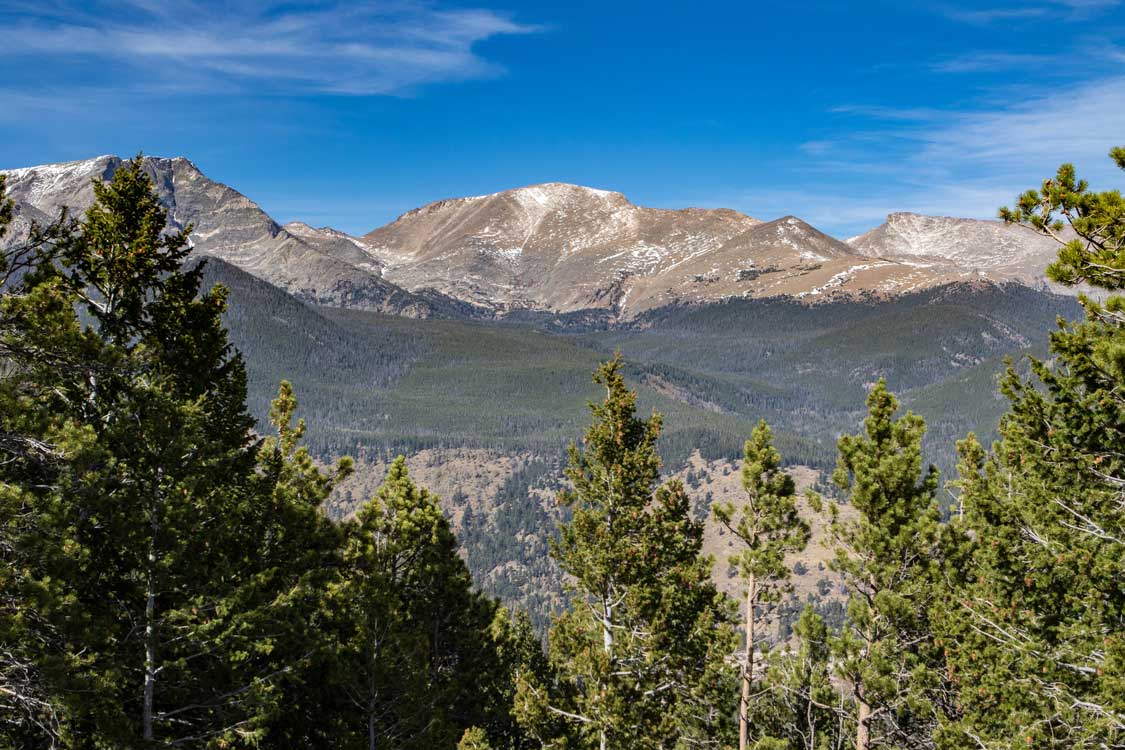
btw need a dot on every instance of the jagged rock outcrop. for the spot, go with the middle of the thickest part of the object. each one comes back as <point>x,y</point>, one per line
<point>555,248</point>
<point>227,225</point>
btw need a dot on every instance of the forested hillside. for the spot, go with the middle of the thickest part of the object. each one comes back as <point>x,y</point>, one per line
<point>173,577</point>
<point>374,385</point>
<point>515,393</point>
<point>713,369</point>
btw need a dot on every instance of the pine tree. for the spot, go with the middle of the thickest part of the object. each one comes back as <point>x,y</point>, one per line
<point>412,637</point>
<point>474,738</point>
<point>279,604</point>
<point>1096,255</point>
<point>28,712</point>
<point>889,555</point>
<point>768,528</point>
<point>133,549</point>
<point>1036,640</point>
<point>799,708</point>
<point>644,633</point>
<point>519,659</point>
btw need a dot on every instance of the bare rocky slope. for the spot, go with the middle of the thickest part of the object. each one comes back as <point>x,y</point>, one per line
<point>565,248</point>
<point>227,225</point>
<point>991,247</point>
<point>555,248</point>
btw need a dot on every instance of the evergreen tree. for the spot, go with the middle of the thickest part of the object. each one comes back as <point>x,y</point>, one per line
<point>1096,254</point>
<point>474,738</point>
<point>645,632</point>
<point>1037,639</point>
<point>132,531</point>
<point>280,602</point>
<point>412,652</point>
<point>798,707</point>
<point>519,659</point>
<point>28,711</point>
<point>889,554</point>
<point>768,528</point>
<point>172,580</point>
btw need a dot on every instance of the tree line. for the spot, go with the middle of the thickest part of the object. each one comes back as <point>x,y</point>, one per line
<point>170,578</point>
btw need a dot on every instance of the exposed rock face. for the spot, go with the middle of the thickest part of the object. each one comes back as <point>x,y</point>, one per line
<point>554,247</point>
<point>564,248</point>
<point>227,225</point>
<point>993,247</point>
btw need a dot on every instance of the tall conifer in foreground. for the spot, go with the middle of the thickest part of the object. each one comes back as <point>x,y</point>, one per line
<point>413,658</point>
<point>1037,641</point>
<point>148,548</point>
<point>767,527</point>
<point>644,633</point>
<point>135,526</point>
<point>29,712</point>
<point>889,555</point>
<point>171,580</point>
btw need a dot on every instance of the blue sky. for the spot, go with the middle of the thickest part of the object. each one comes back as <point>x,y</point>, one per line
<point>348,114</point>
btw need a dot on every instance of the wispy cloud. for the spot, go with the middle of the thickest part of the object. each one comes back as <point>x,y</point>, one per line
<point>1078,123</point>
<point>318,47</point>
<point>984,16</point>
<point>1069,9</point>
<point>880,112</point>
<point>956,163</point>
<point>816,148</point>
<point>989,62</point>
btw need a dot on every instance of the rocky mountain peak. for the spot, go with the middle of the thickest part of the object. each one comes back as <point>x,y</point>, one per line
<point>981,244</point>
<point>554,247</point>
<point>228,225</point>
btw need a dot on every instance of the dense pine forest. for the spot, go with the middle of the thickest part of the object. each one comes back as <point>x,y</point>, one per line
<point>172,576</point>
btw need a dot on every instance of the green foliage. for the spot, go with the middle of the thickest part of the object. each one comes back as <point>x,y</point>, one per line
<point>1034,636</point>
<point>890,556</point>
<point>798,707</point>
<point>379,385</point>
<point>768,525</point>
<point>375,386</point>
<point>412,648</point>
<point>122,259</point>
<point>645,634</point>
<point>1097,254</point>
<point>515,528</point>
<point>170,578</point>
<point>474,738</point>
<point>768,528</point>
<point>143,413</point>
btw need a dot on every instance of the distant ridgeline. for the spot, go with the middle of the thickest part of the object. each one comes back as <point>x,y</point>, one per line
<point>373,383</point>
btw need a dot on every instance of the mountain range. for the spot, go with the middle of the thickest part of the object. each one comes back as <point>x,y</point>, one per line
<point>555,248</point>
<point>463,335</point>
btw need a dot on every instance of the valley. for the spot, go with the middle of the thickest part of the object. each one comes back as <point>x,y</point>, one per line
<point>434,338</point>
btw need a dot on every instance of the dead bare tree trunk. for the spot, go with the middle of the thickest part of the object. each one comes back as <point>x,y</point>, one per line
<point>748,669</point>
<point>863,721</point>
<point>607,644</point>
<point>150,625</point>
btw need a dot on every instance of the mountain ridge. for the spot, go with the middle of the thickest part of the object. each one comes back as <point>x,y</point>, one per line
<point>554,247</point>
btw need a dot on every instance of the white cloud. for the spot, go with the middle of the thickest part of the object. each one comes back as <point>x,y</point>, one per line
<point>816,148</point>
<point>987,62</point>
<point>1077,124</point>
<point>325,47</point>
<point>1047,10</point>
<point>953,163</point>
